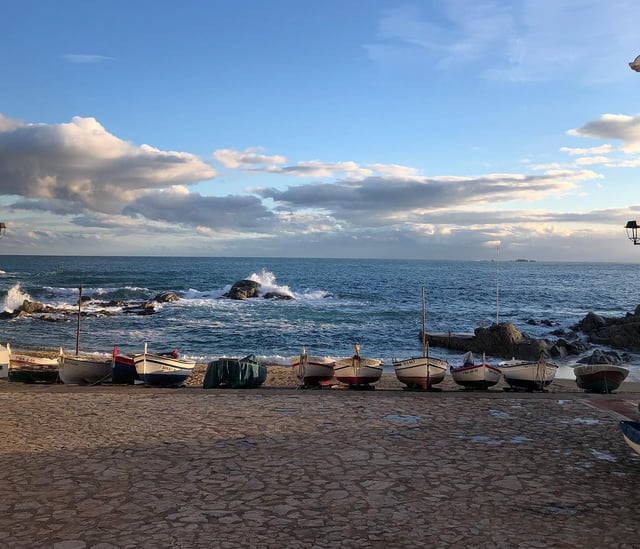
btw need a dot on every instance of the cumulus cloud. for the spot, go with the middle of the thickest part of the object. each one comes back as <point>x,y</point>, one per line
<point>613,126</point>
<point>81,164</point>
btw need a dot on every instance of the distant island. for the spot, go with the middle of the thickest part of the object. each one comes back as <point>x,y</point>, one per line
<point>525,260</point>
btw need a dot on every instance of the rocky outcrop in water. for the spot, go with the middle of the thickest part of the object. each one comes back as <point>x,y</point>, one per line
<point>504,340</point>
<point>620,333</point>
<point>606,357</point>
<point>247,289</point>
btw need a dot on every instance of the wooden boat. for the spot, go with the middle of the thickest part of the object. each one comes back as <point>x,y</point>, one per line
<point>235,373</point>
<point>631,434</point>
<point>528,375</point>
<point>4,361</point>
<point>84,370</point>
<point>475,376</point>
<point>123,370</point>
<point>358,371</point>
<point>163,370</point>
<point>313,371</point>
<point>421,372</point>
<point>599,378</point>
<point>32,369</point>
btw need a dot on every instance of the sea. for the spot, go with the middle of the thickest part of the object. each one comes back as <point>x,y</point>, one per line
<point>335,304</point>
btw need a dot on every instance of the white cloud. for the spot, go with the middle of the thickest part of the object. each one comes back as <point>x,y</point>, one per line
<point>86,58</point>
<point>573,151</point>
<point>79,165</point>
<point>613,126</point>
<point>230,158</point>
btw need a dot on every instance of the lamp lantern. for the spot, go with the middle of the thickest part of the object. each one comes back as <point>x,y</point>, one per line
<point>632,231</point>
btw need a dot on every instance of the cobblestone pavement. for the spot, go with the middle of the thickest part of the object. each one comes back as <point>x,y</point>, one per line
<point>134,467</point>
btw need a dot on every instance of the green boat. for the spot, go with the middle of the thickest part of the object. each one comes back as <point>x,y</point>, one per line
<point>599,378</point>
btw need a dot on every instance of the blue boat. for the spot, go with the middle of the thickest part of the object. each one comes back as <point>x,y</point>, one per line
<point>123,370</point>
<point>631,434</point>
<point>163,370</point>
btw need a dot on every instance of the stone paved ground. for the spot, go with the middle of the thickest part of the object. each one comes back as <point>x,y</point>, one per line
<point>134,467</point>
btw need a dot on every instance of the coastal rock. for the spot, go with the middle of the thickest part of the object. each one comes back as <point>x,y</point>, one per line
<point>246,289</point>
<point>243,289</point>
<point>166,297</point>
<point>276,295</point>
<point>606,357</point>
<point>33,307</point>
<point>620,333</point>
<point>501,340</point>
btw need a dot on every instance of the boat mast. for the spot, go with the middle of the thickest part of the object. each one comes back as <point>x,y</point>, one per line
<point>425,343</point>
<point>497,282</point>
<point>78,327</point>
<point>424,335</point>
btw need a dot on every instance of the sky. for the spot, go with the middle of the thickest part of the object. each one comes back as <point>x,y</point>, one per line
<point>433,129</point>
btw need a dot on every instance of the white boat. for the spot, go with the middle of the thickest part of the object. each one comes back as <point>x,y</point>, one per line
<point>358,371</point>
<point>313,371</point>
<point>82,370</point>
<point>475,376</point>
<point>424,371</point>
<point>31,369</point>
<point>420,372</point>
<point>529,375</point>
<point>163,370</point>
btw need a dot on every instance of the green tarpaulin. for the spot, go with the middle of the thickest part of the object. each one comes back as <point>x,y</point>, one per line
<point>235,373</point>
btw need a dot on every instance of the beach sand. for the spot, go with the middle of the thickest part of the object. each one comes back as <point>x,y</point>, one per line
<point>138,467</point>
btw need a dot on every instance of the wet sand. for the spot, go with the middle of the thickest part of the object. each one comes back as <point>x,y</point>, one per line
<point>121,467</point>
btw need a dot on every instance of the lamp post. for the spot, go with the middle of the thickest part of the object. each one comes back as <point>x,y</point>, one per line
<point>635,64</point>
<point>632,231</point>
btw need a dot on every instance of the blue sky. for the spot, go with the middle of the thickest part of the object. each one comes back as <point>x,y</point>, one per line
<point>366,128</point>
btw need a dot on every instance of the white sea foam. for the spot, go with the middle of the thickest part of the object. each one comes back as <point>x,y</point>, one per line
<point>15,298</point>
<point>267,281</point>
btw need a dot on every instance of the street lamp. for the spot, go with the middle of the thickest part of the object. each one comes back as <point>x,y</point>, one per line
<point>632,231</point>
<point>635,64</point>
<point>3,229</point>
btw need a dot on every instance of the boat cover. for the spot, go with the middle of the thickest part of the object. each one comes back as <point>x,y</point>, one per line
<point>234,373</point>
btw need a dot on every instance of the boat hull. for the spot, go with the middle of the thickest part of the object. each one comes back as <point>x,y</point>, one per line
<point>420,372</point>
<point>162,371</point>
<point>313,371</point>
<point>358,371</point>
<point>123,371</point>
<point>476,376</point>
<point>32,369</point>
<point>600,378</point>
<point>530,376</point>
<point>631,434</point>
<point>84,371</point>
